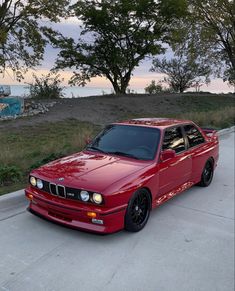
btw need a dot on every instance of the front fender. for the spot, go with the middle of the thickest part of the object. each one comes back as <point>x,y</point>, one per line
<point>121,191</point>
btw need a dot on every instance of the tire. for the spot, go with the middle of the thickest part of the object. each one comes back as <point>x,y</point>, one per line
<point>138,210</point>
<point>207,174</point>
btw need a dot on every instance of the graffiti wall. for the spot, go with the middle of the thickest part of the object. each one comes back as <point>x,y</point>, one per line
<point>10,106</point>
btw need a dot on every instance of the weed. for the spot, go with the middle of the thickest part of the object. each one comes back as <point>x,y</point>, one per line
<point>9,175</point>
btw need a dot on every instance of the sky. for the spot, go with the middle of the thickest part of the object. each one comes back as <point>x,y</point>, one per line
<point>140,79</point>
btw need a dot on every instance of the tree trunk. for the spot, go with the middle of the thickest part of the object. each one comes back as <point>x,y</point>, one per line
<point>125,82</point>
<point>115,85</point>
<point>121,86</point>
<point>119,89</point>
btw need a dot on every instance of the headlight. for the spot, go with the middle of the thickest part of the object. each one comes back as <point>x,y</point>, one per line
<point>97,198</point>
<point>84,196</point>
<point>39,184</point>
<point>33,181</point>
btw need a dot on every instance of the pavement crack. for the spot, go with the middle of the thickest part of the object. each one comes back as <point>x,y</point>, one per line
<point>13,215</point>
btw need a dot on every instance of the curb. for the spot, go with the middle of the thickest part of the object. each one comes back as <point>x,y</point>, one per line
<point>221,132</point>
<point>12,195</point>
<point>226,131</point>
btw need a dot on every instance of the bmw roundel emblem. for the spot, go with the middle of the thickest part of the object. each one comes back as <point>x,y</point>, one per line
<point>61,179</point>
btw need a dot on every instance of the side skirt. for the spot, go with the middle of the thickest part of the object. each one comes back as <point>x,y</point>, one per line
<point>172,193</point>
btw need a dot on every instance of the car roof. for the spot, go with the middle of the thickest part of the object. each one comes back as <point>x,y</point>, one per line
<point>154,122</point>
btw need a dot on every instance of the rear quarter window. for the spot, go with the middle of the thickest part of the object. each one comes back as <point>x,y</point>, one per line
<point>193,135</point>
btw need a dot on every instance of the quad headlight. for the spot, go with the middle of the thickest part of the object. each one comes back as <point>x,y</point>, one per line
<point>39,184</point>
<point>84,196</point>
<point>97,198</point>
<point>36,182</point>
<point>33,181</point>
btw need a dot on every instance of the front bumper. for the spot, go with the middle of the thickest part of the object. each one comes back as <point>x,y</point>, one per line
<point>74,215</point>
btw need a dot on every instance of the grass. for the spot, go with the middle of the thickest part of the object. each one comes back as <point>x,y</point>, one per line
<point>216,111</point>
<point>206,102</point>
<point>218,119</point>
<point>24,148</point>
<point>28,147</point>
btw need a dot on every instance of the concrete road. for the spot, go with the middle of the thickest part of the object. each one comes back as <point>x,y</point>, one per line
<point>187,245</point>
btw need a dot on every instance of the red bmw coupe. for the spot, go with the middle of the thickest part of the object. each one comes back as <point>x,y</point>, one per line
<point>127,170</point>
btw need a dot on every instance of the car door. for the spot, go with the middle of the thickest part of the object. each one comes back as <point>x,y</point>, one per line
<point>178,170</point>
<point>197,148</point>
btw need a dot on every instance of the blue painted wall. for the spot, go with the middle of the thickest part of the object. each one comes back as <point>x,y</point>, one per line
<point>15,106</point>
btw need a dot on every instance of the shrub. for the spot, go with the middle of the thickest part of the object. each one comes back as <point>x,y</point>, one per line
<point>46,87</point>
<point>153,88</point>
<point>47,159</point>
<point>9,175</point>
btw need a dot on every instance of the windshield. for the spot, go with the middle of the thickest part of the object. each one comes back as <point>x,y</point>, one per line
<point>136,142</point>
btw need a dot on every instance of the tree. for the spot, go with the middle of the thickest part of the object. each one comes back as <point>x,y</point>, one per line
<point>22,27</point>
<point>118,36</point>
<point>209,31</point>
<point>153,88</point>
<point>182,72</point>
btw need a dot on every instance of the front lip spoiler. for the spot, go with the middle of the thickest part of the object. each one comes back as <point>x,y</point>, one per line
<point>68,226</point>
<point>115,211</point>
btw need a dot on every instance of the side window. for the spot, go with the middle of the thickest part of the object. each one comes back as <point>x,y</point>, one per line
<point>193,134</point>
<point>174,140</point>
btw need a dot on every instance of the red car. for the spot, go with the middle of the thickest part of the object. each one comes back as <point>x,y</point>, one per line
<point>123,173</point>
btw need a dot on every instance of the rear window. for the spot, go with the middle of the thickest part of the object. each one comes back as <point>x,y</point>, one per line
<point>193,135</point>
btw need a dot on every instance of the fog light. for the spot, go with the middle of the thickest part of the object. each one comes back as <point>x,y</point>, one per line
<point>91,214</point>
<point>97,221</point>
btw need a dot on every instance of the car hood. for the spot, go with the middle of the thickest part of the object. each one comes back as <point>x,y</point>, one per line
<point>92,171</point>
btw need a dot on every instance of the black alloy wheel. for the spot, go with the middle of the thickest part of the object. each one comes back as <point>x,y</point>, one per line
<point>138,211</point>
<point>207,174</point>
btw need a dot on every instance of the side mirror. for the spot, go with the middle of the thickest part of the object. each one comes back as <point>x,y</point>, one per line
<point>167,154</point>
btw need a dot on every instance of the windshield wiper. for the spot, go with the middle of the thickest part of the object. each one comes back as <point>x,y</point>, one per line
<point>115,152</point>
<point>95,149</point>
<point>124,154</point>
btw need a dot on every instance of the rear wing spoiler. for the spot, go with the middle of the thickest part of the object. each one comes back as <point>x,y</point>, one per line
<point>210,132</point>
